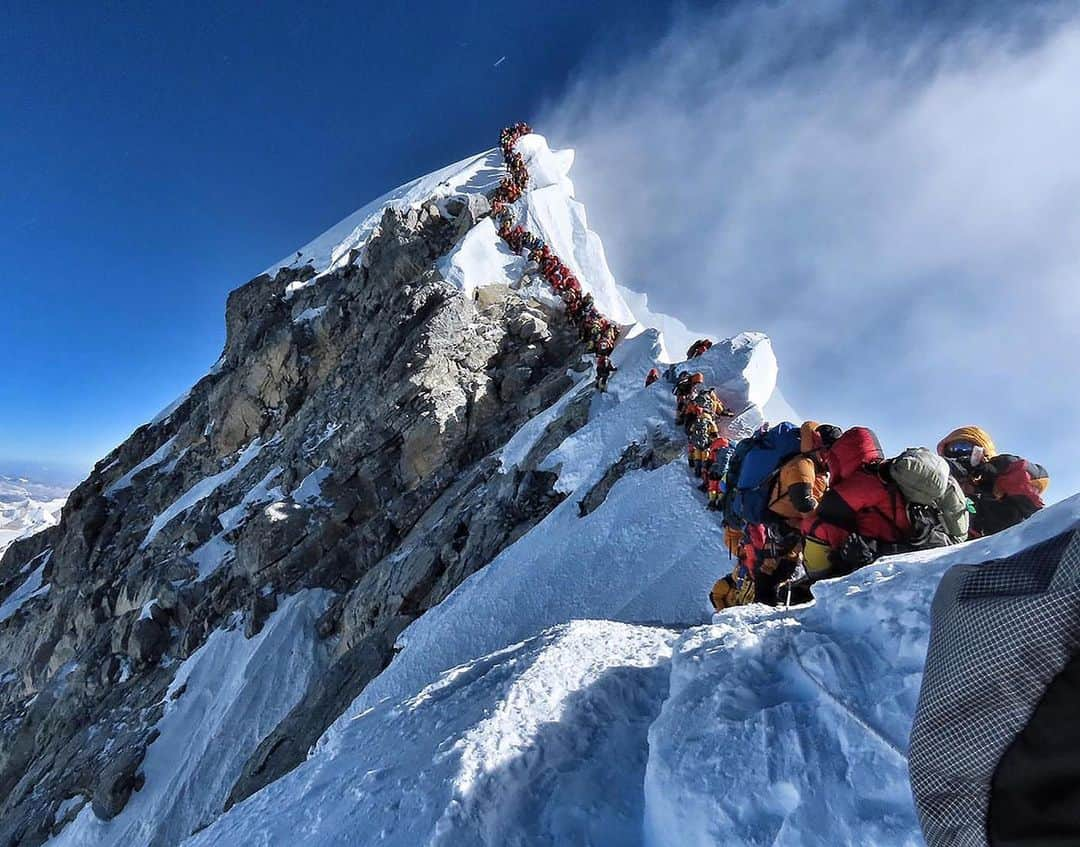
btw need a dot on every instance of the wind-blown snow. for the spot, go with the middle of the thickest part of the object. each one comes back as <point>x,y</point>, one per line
<point>201,490</point>
<point>540,743</point>
<point>791,728</point>
<point>234,691</point>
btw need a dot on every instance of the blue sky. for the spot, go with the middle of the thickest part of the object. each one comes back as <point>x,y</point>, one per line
<point>887,189</point>
<point>157,155</point>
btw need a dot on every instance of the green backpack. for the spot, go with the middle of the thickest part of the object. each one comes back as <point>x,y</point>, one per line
<point>931,492</point>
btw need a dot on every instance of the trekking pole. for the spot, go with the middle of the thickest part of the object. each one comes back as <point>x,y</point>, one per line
<point>787,602</point>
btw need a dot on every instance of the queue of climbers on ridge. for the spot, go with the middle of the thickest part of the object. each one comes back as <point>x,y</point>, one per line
<point>800,503</point>
<point>598,332</point>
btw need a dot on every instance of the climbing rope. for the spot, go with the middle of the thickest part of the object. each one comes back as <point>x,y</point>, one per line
<point>600,333</point>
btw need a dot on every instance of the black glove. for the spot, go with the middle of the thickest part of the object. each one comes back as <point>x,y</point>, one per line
<point>857,552</point>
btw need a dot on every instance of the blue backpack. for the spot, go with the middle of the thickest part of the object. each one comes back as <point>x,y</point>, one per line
<point>758,468</point>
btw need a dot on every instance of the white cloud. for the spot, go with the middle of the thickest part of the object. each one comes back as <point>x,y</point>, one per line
<point>898,207</point>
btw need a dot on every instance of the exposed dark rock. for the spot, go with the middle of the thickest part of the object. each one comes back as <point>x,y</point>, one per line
<point>117,781</point>
<point>147,641</point>
<point>393,399</point>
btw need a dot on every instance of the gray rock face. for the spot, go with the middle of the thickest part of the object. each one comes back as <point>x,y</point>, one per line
<point>351,451</point>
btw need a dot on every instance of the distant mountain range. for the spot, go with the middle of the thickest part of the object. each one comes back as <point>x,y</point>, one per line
<point>27,506</point>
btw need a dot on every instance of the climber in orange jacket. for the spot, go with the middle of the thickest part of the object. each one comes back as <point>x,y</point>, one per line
<point>801,481</point>
<point>652,376</point>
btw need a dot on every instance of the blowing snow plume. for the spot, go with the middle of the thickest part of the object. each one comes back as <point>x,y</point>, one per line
<point>889,197</point>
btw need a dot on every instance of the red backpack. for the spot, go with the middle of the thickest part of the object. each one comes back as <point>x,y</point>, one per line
<point>1021,478</point>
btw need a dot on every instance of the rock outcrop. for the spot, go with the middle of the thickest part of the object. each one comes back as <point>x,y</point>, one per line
<point>343,441</point>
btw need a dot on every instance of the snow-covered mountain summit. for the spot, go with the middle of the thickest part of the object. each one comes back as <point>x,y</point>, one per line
<point>392,572</point>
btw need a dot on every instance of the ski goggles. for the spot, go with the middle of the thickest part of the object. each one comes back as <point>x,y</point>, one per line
<point>959,450</point>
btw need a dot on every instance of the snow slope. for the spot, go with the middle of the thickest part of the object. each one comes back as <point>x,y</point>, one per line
<point>542,742</point>
<point>791,728</point>
<point>633,559</point>
<point>478,174</point>
<point>764,728</point>
<point>224,700</point>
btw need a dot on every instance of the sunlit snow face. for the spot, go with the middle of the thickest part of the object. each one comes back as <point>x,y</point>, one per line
<point>892,200</point>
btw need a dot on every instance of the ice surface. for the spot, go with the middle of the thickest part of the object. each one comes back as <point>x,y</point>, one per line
<point>481,259</point>
<point>309,491</point>
<point>212,555</point>
<point>260,494</point>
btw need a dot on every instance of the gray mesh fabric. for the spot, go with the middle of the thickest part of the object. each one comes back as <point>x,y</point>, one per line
<point>1000,632</point>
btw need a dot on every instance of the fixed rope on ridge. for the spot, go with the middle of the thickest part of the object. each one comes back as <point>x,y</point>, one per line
<point>599,332</point>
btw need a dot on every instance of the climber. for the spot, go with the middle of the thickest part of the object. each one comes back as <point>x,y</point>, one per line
<point>709,401</point>
<point>1004,489</point>
<point>910,502</point>
<point>698,347</point>
<point>860,514</point>
<point>604,369</point>
<point>652,376</point>
<point>775,551</point>
<point>738,588</point>
<point>609,338</point>
<point>801,480</point>
<point>752,470</point>
<point>682,389</point>
<point>702,435</point>
<point>690,408</point>
<point>716,467</point>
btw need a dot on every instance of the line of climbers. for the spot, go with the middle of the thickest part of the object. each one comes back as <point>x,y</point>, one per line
<point>802,503</point>
<point>598,332</point>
